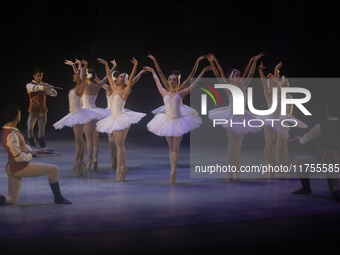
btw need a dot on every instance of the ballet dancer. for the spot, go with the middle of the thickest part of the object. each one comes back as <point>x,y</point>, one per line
<point>172,124</point>
<point>120,120</point>
<point>235,133</point>
<point>180,86</point>
<point>112,143</point>
<point>37,91</point>
<point>77,117</point>
<point>328,136</point>
<point>19,157</point>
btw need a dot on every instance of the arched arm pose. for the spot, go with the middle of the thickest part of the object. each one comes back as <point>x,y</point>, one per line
<point>172,124</point>
<point>118,123</point>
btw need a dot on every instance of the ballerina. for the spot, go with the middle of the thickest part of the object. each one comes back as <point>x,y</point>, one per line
<point>112,143</point>
<point>180,86</point>
<point>77,117</point>
<point>120,120</point>
<point>235,133</point>
<point>173,124</point>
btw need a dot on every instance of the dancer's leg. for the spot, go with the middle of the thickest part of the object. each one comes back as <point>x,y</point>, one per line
<point>14,187</point>
<point>237,155</point>
<point>31,121</point>
<point>231,150</point>
<point>80,150</point>
<point>120,136</point>
<point>88,130</point>
<point>270,147</point>
<point>113,150</point>
<point>42,120</point>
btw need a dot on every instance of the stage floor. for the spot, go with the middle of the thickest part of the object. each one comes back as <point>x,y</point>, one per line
<point>146,214</point>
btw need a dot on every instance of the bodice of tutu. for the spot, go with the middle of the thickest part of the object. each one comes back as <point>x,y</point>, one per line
<point>117,105</point>
<point>172,107</point>
<point>89,101</point>
<point>74,101</point>
<point>108,99</point>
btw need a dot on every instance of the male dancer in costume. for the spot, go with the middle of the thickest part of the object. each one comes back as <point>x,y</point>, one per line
<point>327,156</point>
<point>37,91</point>
<point>19,156</point>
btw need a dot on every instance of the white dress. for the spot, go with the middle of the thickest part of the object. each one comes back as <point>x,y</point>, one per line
<point>226,113</point>
<point>172,122</point>
<point>89,102</point>
<point>119,118</point>
<point>108,108</point>
<point>77,114</point>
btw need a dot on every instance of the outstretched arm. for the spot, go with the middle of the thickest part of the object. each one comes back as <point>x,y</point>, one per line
<point>108,74</point>
<point>191,75</point>
<point>101,83</point>
<point>266,90</point>
<point>72,64</point>
<point>216,65</point>
<point>186,91</point>
<point>127,90</point>
<point>158,83</point>
<point>138,76</point>
<point>160,73</point>
<point>250,74</point>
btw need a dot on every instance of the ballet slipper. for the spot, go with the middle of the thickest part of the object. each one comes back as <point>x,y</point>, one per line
<point>173,175</point>
<point>75,169</point>
<point>119,176</point>
<point>89,164</point>
<point>95,165</point>
<point>81,168</point>
<point>124,171</point>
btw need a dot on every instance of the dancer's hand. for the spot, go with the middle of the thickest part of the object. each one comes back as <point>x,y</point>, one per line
<point>261,67</point>
<point>84,62</point>
<point>77,61</point>
<point>151,57</point>
<point>201,57</point>
<point>114,63</point>
<point>208,68</point>
<point>134,61</point>
<point>69,62</point>
<point>148,69</point>
<point>102,61</point>
<point>278,66</point>
<point>257,57</point>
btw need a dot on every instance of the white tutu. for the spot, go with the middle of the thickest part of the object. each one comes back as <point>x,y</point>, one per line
<point>88,102</point>
<point>81,116</point>
<point>226,113</point>
<point>119,119</point>
<point>77,114</point>
<point>185,110</point>
<point>173,122</point>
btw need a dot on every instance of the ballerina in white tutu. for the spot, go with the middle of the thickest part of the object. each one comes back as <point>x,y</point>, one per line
<point>275,134</point>
<point>180,86</point>
<point>235,133</point>
<point>112,143</point>
<point>77,117</point>
<point>120,120</point>
<point>172,124</point>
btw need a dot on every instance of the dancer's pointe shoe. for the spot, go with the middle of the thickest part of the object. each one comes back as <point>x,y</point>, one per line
<point>89,164</point>
<point>119,176</point>
<point>173,175</point>
<point>124,171</point>
<point>82,165</point>
<point>95,165</point>
<point>75,169</point>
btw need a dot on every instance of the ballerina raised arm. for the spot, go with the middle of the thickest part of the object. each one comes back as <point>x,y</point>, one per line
<point>245,81</point>
<point>161,90</point>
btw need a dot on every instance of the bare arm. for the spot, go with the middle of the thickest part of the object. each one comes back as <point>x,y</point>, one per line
<point>266,90</point>
<point>191,75</point>
<point>160,73</point>
<point>160,88</point>
<point>186,91</point>
<point>108,74</point>
<point>250,74</point>
<point>138,76</point>
<point>72,64</point>
<point>127,90</point>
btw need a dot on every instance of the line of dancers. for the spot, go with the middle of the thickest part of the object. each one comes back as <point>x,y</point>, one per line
<point>171,120</point>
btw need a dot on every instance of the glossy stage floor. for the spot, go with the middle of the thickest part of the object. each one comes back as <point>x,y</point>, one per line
<point>148,216</point>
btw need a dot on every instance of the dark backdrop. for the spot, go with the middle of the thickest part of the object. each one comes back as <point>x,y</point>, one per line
<point>301,34</point>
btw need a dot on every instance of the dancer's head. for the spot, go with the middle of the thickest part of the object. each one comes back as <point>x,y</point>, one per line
<point>122,79</point>
<point>38,75</point>
<point>332,110</point>
<point>12,113</point>
<point>174,79</point>
<point>234,74</point>
<point>77,75</point>
<point>91,74</point>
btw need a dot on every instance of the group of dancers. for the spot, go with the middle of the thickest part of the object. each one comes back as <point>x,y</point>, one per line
<point>172,120</point>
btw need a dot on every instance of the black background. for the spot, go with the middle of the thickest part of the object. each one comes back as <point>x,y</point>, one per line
<point>301,34</point>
